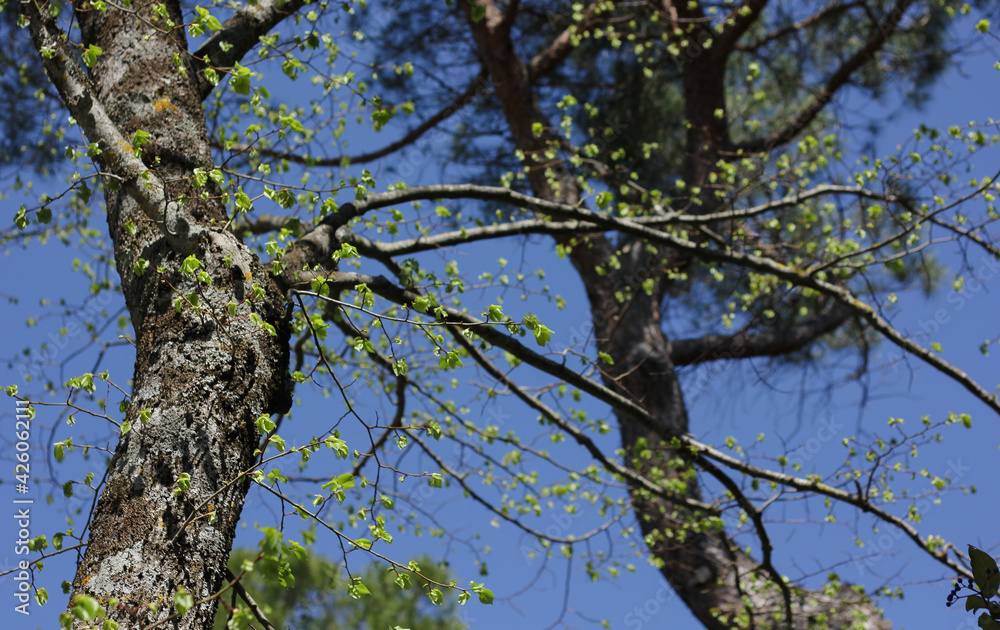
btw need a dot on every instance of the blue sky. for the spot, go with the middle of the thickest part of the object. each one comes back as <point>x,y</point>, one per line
<point>751,398</point>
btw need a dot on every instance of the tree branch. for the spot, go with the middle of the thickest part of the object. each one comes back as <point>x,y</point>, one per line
<point>533,402</point>
<point>324,237</point>
<point>830,11</point>
<point>579,436</point>
<point>740,19</point>
<point>755,343</point>
<point>570,225</point>
<point>794,199</point>
<point>509,15</point>
<point>686,443</point>
<point>821,98</point>
<point>255,608</point>
<point>116,155</point>
<point>755,515</point>
<point>241,32</point>
<point>504,514</point>
<point>971,234</point>
<point>857,500</point>
<point>486,232</point>
<point>477,87</point>
<point>264,224</point>
<point>549,59</point>
<point>488,332</point>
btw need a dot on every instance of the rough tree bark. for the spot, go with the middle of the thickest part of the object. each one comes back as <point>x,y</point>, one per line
<point>202,375</point>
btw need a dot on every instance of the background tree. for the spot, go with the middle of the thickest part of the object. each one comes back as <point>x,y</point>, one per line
<point>681,156</point>
<point>318,597</point>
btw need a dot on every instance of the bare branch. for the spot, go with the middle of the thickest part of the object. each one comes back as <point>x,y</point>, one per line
<point>255,608</point>
<point>350,330</point>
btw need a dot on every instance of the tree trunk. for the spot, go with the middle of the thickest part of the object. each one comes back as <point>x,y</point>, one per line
<point>722,586</point>
<point>202,377</point>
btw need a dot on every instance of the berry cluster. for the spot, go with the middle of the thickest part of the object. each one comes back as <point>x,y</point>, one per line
<point>959,585</point>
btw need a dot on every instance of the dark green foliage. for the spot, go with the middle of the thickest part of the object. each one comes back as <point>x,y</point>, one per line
<point>319,598</point>
<point>982,589</point>
<point>29,133</point>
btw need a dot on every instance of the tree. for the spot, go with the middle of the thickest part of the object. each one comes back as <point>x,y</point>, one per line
<point>317,598</point>
<point>731,228</point>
